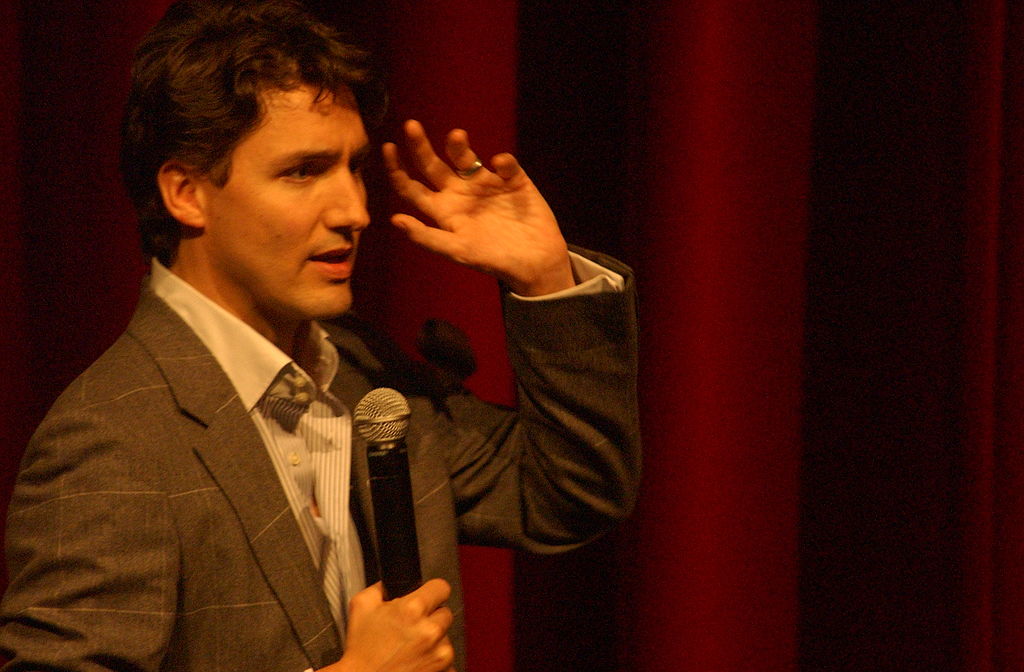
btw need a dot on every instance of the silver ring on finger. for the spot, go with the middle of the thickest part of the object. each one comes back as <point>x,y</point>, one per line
<point>467,173</point>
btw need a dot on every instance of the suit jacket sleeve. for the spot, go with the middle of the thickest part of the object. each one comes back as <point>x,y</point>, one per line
<point>565,467</point>
<point>92,550</point>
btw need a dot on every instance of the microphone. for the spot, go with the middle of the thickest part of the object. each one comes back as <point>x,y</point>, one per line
<point>382,418</point>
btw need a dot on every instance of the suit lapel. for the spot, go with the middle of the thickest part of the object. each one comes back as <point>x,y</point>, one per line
<point>350,384</point>
<point>235,456</point>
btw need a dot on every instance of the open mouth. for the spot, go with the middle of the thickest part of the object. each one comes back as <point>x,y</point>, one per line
<point>335,265</point>
<point>333,256</point>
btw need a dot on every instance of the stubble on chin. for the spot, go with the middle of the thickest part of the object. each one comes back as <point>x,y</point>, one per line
<point>339,305</point>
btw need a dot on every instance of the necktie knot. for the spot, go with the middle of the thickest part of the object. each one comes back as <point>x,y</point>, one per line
<point>288,397</point>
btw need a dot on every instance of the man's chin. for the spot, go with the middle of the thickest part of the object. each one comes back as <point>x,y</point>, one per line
<point>333,308</point>
<point>322,303</point>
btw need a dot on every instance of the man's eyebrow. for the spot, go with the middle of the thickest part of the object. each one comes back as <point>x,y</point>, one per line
<point>329,156</point>
<point>361,155</point>
<point>300,157</point>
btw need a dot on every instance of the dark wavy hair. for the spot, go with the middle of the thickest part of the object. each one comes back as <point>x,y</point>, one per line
<point>195,92</point>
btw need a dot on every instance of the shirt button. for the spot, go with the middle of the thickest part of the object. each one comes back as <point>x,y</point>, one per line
<point>294,459</point>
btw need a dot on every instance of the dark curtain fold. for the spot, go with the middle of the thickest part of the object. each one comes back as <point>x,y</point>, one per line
<point>986,73</point>
<point>992,503</point>
<point>911,472</point>
<point>880,531</point>
<point>823,203</point>
<point>14,360</point>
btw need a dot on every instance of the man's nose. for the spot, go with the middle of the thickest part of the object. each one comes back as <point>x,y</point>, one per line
<point>346,208</point>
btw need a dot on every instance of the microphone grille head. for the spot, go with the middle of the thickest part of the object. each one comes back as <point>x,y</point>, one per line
<point>382,416</point>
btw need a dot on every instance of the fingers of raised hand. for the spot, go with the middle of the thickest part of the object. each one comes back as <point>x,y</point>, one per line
<point>426,159</point>
<point>407,187</point>
<point>436,239</point>
<point>466,162</point>
<point>506,166</point>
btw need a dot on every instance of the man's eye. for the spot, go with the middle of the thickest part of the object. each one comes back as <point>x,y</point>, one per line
<point>358,167</point>
<point>303,172</point>
<point>360,161</point>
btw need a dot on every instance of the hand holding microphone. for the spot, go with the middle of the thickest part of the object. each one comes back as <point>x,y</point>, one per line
<point>401,624</point>
<point>407,634</point>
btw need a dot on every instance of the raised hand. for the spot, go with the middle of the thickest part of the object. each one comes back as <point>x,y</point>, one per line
<point>491,219</point>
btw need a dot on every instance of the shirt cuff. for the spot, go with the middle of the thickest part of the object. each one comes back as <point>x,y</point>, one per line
<point>591,278</point>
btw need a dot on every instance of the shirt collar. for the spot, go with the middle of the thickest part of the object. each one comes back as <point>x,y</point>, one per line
<point>250,361</point>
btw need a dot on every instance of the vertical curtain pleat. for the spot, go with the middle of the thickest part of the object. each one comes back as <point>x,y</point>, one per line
<point>81,248</point>
<point>986,122</point>
<point>723,180</point>
<point>1007,448</point>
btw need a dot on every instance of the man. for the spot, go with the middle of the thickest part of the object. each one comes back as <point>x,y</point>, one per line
<point>185,504</point>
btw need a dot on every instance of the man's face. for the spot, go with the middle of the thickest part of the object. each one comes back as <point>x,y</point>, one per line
<point>279,238</point>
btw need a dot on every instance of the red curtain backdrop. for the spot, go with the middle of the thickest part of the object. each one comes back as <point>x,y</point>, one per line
<point>824,204</point>
<point>725,182</point>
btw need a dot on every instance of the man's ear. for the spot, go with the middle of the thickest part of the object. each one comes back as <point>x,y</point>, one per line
<point>182,194</point>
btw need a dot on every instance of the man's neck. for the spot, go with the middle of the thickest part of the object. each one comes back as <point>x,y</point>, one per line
<point>290,336</point>
<point>301,349</point>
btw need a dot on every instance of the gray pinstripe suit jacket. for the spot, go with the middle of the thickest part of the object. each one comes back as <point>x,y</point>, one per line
<point>148,529</point>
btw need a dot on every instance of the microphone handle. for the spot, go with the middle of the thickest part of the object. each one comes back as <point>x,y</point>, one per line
<point>397,546</point>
